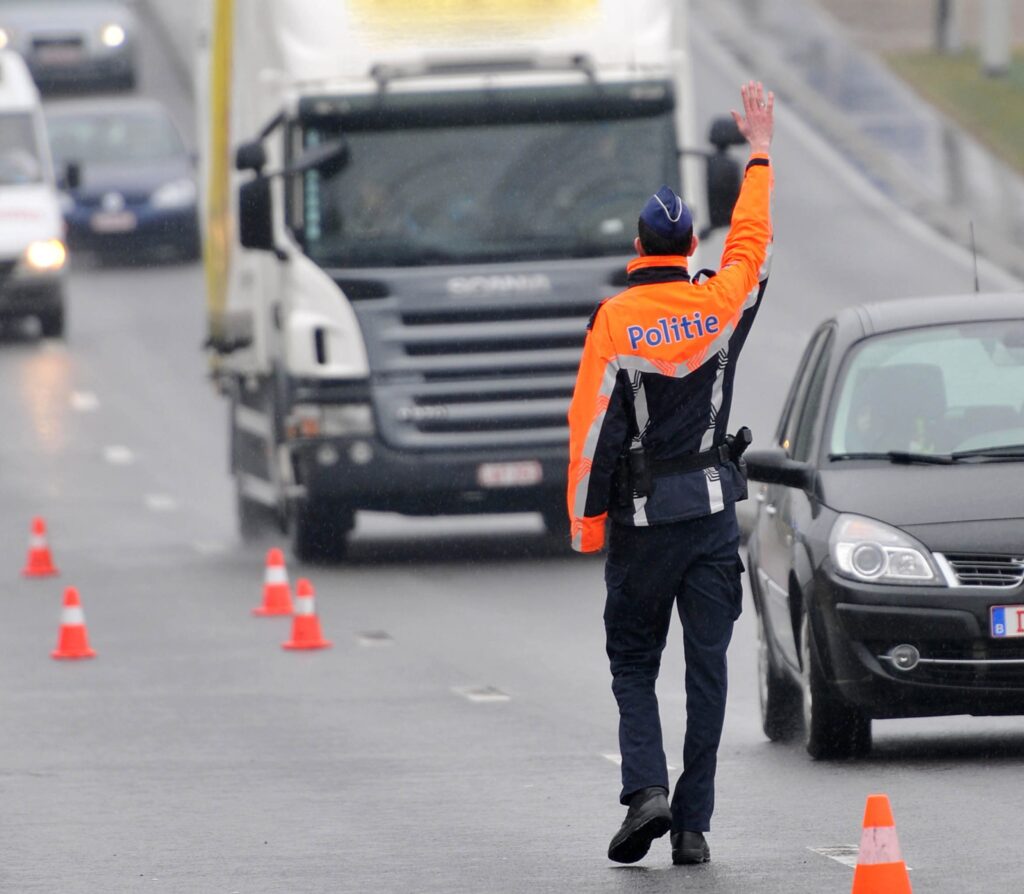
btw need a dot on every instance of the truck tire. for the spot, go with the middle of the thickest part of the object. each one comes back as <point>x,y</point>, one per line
<point>320,530</point>
<point>51,323</point>
<point>833,729</point>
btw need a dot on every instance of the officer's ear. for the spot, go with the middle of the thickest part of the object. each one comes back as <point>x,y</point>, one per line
<point>694,242</point>
<point>639,247</point>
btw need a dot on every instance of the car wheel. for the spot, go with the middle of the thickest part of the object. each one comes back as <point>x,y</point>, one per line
<point>832,727</point>
<point>320,530</point>
<point>779,698</point>
<point>51,324</point>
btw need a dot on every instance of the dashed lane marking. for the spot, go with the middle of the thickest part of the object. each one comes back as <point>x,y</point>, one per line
<point>617,760</point>
<point>160,502</point>
<point>374,638</point>
<point>482,693</point>
<point>210,547</point>
<point>84,402</point>
<point>118,455</point>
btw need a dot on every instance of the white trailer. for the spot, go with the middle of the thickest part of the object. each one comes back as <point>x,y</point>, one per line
<point>411,209</point>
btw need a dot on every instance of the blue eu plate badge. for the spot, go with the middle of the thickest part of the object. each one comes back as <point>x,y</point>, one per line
<point>1007,621</point>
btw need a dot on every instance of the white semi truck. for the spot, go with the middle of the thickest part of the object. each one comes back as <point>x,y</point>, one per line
<point>412,207</point>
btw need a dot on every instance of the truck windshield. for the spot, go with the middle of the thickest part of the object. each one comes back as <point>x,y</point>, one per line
<point>19,152</point>
<point>479,193</point>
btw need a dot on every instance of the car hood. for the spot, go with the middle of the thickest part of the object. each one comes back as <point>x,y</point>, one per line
<point>27,213</point>
<point>130,179</point>
<point>905,495</point>
<point>60,15</point>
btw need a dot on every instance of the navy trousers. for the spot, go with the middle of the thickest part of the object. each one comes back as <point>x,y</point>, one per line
<point>695,566</point>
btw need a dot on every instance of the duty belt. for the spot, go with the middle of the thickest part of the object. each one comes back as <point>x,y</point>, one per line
<point>636,472</point>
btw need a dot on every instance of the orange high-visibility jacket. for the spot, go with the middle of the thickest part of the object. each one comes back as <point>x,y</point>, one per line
<point>657,372</point>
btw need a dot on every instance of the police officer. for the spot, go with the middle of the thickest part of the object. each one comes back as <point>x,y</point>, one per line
<point>649,447</point>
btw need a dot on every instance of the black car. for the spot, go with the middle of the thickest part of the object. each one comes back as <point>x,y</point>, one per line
<point>129,178</point>
<point>887,557</point>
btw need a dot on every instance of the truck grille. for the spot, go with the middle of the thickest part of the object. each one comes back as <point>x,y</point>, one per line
<point>498,374</point>
<point>987,571</point>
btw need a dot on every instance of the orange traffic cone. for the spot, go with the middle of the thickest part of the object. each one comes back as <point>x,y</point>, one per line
<point>880,867</point>
<point>39,562</point>
<point>306,625</point>
<point>277,596</point>
<point>73,640</point>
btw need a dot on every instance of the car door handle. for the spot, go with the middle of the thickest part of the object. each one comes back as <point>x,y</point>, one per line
<point>770,509</point>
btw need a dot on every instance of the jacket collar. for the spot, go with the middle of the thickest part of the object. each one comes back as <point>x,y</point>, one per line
<point>651,269</point>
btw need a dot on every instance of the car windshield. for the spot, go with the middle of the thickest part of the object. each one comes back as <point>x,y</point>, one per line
<point>938,390</point>
<point>113,137</point>
<point>488,192</point>
<point>20,161</point>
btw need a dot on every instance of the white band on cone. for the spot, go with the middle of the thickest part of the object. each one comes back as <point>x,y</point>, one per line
<point>276,574</point>
<point>72,616</point>
<point>304,605</point>
<point>879,845</point>
<point>37,541</point>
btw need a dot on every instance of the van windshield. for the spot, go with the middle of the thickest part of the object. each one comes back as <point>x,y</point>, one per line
<point>20,161</point>
<point>487,192</point>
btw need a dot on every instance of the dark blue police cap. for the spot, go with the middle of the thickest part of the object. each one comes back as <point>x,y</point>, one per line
<point>667,215</point>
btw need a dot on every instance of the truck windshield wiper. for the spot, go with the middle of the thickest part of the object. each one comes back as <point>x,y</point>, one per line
<point>1007,452</point>
<point>899,457</point>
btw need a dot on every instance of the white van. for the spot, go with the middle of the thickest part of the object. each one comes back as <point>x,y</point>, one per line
<point>32,251</point>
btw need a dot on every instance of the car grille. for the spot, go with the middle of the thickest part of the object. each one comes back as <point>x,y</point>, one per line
<point>982,663</point>
<point>987,571</point>
<point>63,42</point>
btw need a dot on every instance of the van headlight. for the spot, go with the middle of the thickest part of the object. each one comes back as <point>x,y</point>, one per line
<point>867,550</point>
<point>5,38</point>
<point>113,35</point>
<point>176,194</point>
<point>45,256</point>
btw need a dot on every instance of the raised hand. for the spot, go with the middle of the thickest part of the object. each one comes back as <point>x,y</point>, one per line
<point>757,123</point>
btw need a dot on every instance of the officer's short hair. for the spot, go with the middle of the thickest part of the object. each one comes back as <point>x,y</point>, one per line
<point>656,244</point>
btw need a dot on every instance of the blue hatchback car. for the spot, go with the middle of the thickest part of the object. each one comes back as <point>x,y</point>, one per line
<point>130,185</point>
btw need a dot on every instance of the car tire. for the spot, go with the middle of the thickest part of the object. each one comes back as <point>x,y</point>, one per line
<point>833,728</point>
<point>778,697</point>
<point>51,324</point>
<point>320,530</point>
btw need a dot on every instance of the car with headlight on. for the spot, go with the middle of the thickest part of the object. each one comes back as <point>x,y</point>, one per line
<point>887,556</point>
<point>130,186</point>
<point>72,44</point>
<point>32,251</point>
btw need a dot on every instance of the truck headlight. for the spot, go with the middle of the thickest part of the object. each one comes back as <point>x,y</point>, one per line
<point>329,420</point>
<point>113,35</point>
<point>45,256</point>
<point>176,194</point>
<point>870,551</point>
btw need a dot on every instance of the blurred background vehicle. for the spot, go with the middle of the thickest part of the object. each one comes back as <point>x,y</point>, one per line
<point>72,44</point>
<point>886,563</point>
<point>129,180</point>
<point>32,252</point>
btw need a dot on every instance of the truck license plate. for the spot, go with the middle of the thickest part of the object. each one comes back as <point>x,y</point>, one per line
<point>519,474</point>
<point>1007,620</point>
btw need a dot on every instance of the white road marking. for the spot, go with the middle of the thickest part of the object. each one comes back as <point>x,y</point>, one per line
<point>84,402</point>
<point>841,853</point>
<point>481,693</point>
<point>374,638</point>
<point>160,502</point>
<point>210,547</point>
<point>616,759</point>
<point>118,455</point>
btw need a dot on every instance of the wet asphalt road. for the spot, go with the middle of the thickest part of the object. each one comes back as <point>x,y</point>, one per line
<point>194,755</point>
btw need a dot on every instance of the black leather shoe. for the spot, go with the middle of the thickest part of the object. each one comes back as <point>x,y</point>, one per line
<point>689,847</point>
<point>648,818</point>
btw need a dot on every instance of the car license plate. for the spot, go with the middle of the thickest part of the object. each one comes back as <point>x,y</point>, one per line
<point>519,474</point>
<point>1007,620</point>
<point>59,55</point>
<point>113,222</point>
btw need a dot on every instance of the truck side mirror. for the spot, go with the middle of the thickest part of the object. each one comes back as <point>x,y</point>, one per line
<point>724,133</point>
<point>723,178</point>
<point>251,156</point>
<point>255,215</point>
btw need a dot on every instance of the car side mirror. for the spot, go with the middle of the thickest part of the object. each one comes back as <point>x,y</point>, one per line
<point>775,467</point>
<point>71,178</point>
<point>256,215</point>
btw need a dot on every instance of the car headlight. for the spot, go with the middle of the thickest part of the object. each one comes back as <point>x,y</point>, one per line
<point>870,551</point>
<point>113,35</point>
<point>46,256</point>
<point>5,38</point>
<point>176,194</point>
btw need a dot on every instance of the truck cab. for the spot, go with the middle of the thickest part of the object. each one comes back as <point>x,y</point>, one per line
<point>32,250</point>
<point>425,228</point>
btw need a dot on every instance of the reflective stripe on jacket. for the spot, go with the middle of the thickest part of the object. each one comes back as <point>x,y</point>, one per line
<point>657,370</point>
